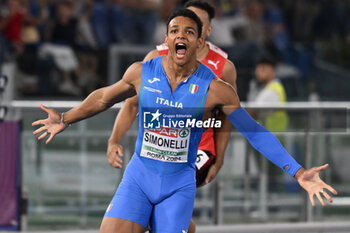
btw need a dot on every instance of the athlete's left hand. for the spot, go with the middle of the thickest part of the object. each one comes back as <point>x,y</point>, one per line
<point>314,185</point>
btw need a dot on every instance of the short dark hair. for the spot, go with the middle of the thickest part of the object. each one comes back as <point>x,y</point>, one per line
<point>203,6</point>
<point>189,14</point>
<point>266,60</point>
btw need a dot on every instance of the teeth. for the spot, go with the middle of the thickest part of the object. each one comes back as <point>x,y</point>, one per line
<point>181,44</point>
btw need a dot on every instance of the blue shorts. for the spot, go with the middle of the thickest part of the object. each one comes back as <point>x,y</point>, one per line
<point>164,201</point>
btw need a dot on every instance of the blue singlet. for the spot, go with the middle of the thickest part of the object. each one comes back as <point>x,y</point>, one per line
<point>159,182</point>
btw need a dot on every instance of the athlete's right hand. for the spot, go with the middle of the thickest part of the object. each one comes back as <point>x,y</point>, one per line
<point>114,151</point>
<point>51,125</point>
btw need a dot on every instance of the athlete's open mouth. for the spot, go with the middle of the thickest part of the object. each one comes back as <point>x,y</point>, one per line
<point>180,49</point>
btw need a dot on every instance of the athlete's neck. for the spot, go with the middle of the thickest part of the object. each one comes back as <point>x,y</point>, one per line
<point>177,73</point>
<point>203,51</point>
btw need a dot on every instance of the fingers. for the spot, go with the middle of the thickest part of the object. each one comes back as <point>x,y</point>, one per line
<point>111,159</point>
<point>116,164</point>
<point>322,168</point>
<point>38,122</point>
<point>118,160</point>
<point>40,130</point>
<point>50,138</point>
<point>209,178</point>
<point>318,195</point>
<point>311,197</point>
<point>332,190</point>
<point>42,136</point>
<point>325,194</point>
<point>120,151</point>
<point>113,156</point>
<point>46,109</point>
<point>211,175</point>
<point>115,161</point>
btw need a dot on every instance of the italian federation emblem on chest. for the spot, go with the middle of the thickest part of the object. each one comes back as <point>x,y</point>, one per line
<point>193,88</point>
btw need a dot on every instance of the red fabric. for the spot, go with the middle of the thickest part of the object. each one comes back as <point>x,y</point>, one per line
<point>215,60</point>
<point>13,29</point>
<point>207,141</point>
<point>163,52</point>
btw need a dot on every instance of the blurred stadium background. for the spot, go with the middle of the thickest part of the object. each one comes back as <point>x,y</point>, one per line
<point>67,185</point>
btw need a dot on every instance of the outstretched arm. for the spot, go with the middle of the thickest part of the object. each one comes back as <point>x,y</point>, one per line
<point>268,145</point>
<point>96,102</point>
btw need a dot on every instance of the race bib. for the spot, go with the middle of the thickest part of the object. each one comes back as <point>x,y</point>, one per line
<point>202,158</point>
<point>166,144</point>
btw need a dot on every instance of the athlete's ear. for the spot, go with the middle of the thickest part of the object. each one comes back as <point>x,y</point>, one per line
<point>166,39</point>
<point>200,42</point>
<point>210,28</point>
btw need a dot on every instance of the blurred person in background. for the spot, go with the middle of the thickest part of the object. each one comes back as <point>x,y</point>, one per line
<point>34,22</point>
<point>141,17</point>
<point>272,92</point>
<point>11,20</point>
<point>63,30</point>
<point>167,7</point>
<point>86,38</point>
<point>87,49</point>
<point>59,52</point>
<point>117,21</point>
<point>100,22</point>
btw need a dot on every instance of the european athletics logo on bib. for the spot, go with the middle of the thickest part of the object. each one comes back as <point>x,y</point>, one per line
<point>193,88</point>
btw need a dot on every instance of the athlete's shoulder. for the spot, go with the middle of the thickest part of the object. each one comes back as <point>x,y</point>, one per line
<point>154,62</point>
<point>217,50</point>
<point>133,73</point>
<point>221,93</point>
<point>152,54</point>
<point>136,65</point>
<point>204,69</point>
<point>229,73</point>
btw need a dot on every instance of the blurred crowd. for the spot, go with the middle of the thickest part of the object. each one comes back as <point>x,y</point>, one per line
<point>61,46</point>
